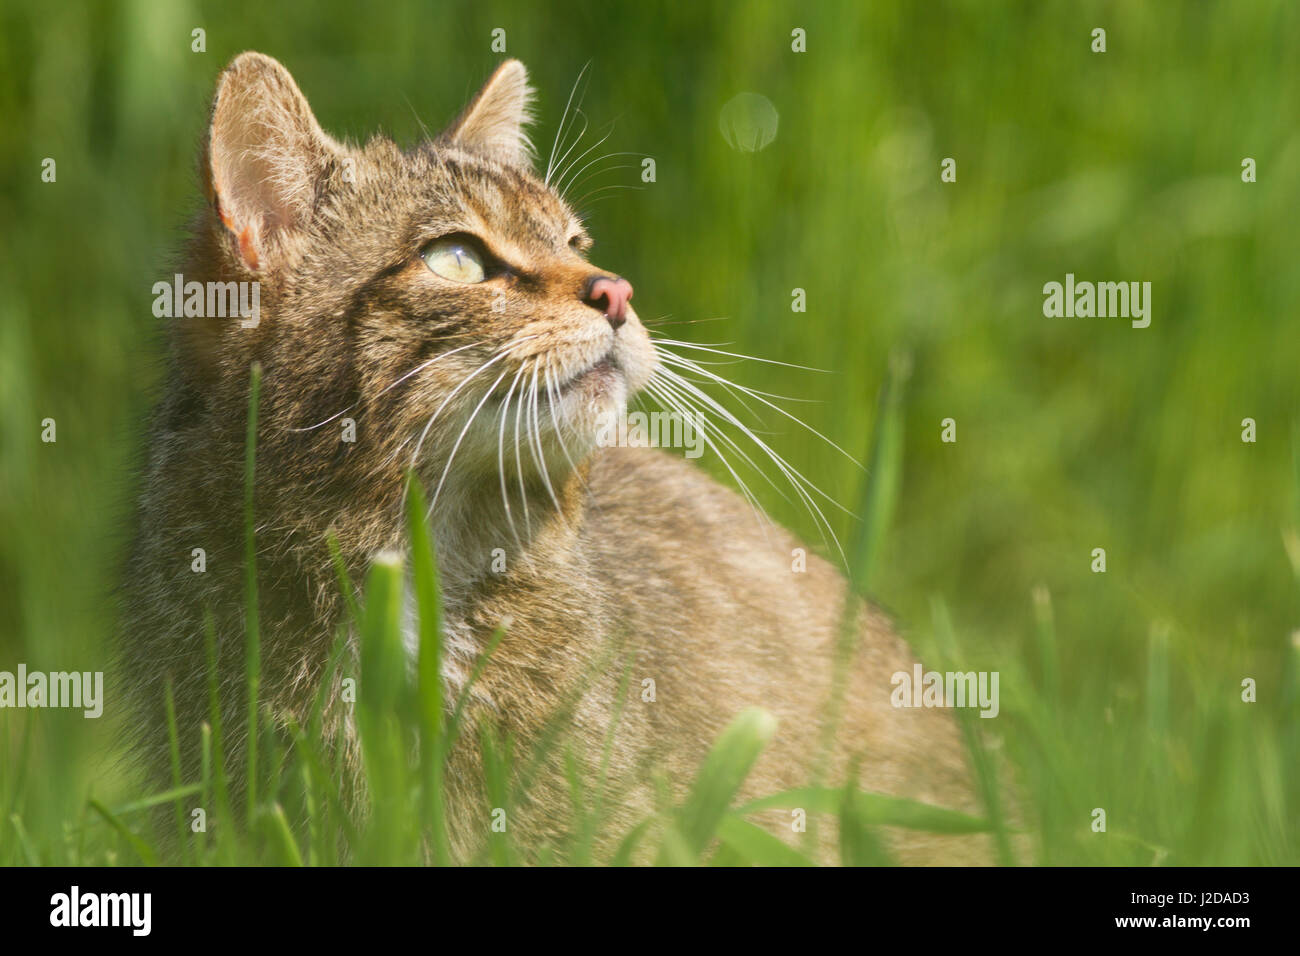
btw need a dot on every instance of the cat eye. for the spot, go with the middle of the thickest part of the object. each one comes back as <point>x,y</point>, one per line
<point>455,259</point>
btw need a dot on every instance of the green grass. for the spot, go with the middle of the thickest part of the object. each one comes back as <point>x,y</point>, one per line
<point>406,735</point>
<point>405,738</point>
<point>1120,691</point>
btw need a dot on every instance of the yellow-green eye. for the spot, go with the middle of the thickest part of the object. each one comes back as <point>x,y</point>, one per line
<point>454,259</point>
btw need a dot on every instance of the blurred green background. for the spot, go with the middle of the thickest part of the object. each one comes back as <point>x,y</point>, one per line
<point>1073,434</point>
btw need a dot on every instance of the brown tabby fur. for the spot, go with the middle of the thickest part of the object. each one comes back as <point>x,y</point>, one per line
<point>646,557</point>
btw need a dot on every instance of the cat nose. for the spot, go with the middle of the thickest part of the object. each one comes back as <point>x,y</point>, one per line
<point>615,292</point>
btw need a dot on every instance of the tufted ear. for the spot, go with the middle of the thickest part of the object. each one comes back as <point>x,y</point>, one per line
<point>493,123</point>
<point>265,158</point>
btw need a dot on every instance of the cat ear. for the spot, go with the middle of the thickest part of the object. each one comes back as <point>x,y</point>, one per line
<point>265,157</point>
<point>493,124</point>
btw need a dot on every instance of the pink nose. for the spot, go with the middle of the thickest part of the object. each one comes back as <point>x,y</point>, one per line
<point>615,292</point>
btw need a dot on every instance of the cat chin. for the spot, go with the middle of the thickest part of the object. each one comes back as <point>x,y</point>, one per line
<point>590,401</point>
<point>560,429</point>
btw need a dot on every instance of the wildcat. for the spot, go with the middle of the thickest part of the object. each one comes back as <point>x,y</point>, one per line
<point>441,298</point>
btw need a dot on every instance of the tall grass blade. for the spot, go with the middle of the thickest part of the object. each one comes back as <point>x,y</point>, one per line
<point>138,846</point>
<point>253,645</point>
<point>225,812</point>
<point>24,841</point>
<point>174,747</point>
<point>871,808</point>
<point>380,705</point>
<point>859,846</point>
<point>430,707</point>
<point>884,476</point>
<point>756,846</point>
<point>720,777</point>
<point>985,771</point>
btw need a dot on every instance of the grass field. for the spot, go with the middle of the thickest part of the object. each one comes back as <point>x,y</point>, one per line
<point>1121,690</point>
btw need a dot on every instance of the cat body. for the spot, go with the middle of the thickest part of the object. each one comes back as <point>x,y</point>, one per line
<point>438,301</point>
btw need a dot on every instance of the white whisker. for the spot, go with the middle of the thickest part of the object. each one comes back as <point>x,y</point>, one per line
<point>798,481</point>
<point>519,464</point>
<point>757,396</point>
<point>675,404</point>
<point>599,172</point>
<point>417,369</point>
<point>577,139</point>
<point>501,462</point>
<point>752,358</point>
<point>539,454</point>
<point>460,438</point>
<point>563,119</point>
<point>415,455</point>
<point>552,396</point>
<point>597,192</point>
<point>559,177</point>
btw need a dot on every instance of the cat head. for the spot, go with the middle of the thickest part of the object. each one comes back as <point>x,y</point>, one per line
<point>441,296</point>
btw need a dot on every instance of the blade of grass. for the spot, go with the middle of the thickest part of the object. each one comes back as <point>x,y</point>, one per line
<point>18,769</point>
<point>157,799</point>
<point>173,741</point>
<point>253,647</point>
<point>1045,631</point>
<point>1157,696</point>
<point>381,702</point>
<point>205,774</point>
<point>872,808</point>
<point>878,496</point>
<point>757,846</point>
<point>225,813</point>
<point>675,849</point>
<point>140,848</point>
<point>628,845</point>
<point>24,841</point>
<point>428,597</point>
<point>316,763</point>
<point>985,771</point>
<point>859,846</point>
<point>496,777</point>
<point>277,827</point>
<point>884,475</point>
<point>346,587</point>
<point>583,816</point>
<point>724,770</point>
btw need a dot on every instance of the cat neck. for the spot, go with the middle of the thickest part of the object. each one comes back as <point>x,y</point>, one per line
<point>487,539</point>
